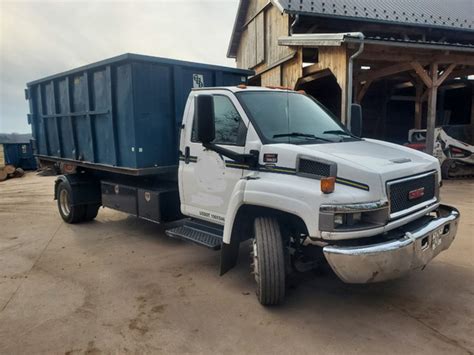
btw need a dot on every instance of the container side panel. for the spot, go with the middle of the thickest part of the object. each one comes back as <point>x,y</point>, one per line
<point>193,78</point>
<point>80,119</point>
<point>103,131</point>
<point>50,119</point>
<point>232,79</point>
<point>67,138</point>
<point>154,115</point>
<point>124,119</point>
<point>41,132</point>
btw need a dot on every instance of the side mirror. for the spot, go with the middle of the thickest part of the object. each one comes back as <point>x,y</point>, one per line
<point>205,118</point>
<point>356,120</point>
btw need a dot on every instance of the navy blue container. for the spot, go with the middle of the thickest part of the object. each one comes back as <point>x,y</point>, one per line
<point>122,112</point>
<point>19,155</point>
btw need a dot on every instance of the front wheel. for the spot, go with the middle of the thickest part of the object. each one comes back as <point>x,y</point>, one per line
<point>268,261</point>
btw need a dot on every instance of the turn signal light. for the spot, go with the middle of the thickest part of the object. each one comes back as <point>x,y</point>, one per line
<point>328,184</point>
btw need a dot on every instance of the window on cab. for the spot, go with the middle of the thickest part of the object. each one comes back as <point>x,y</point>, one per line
<point>229,127</point>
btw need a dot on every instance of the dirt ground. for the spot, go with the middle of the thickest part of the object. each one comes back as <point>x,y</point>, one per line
<point>119,285</point>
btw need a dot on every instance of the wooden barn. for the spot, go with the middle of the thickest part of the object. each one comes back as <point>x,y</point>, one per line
<point>406,62</point>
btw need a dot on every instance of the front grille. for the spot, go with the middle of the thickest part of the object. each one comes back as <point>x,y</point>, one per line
<point>313,167</point>
<point>399,192</point>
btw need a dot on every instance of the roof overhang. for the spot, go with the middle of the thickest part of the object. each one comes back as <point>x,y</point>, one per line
<point>314,40</point>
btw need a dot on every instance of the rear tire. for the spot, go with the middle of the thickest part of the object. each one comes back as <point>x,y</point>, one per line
<point>69,212</point>
<point>268,261</point>
<point>91,212</point>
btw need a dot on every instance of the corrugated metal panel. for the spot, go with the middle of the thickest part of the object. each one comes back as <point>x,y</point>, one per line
<point>458,14</point>
<point>121,112</point>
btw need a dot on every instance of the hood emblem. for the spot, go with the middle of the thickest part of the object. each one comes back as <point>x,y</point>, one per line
<point>416,194</point>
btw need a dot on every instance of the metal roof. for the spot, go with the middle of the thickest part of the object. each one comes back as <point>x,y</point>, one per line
<point>15,138</point>
<point>444,14</point>
<point>458,14</point>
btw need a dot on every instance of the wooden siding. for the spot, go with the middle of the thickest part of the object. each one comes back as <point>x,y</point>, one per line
<point>259,49</point>
<point>292,70</point>
<point>272,77</point>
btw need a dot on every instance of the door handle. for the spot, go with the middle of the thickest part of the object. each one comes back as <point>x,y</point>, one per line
<point>186,155</point>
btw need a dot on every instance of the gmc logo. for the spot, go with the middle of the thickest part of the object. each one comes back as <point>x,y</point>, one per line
<point>415,194</point>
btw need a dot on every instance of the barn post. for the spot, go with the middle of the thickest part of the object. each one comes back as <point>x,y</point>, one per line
<point>418,105</point>
<point>432,101</point>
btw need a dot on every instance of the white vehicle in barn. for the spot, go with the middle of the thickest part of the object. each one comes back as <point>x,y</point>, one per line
<point>454,148</point>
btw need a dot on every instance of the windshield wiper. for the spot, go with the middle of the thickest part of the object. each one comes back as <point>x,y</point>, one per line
<point>298,134</point>
<point>340,133</point>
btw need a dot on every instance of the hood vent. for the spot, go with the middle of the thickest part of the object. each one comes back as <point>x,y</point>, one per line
<point>315,168</point>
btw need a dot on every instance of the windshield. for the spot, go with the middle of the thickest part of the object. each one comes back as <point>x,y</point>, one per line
<point>290,117</point>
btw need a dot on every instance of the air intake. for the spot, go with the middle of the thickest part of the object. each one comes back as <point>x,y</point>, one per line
<point>316,168</point>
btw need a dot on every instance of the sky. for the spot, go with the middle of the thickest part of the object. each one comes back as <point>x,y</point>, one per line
<point>40,38</point>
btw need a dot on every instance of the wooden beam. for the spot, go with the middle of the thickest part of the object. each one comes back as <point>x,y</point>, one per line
<point>422,73</point>
<point>384,72</point>
<point>432,101</point>
<point>315,76</point>
<point>460,59</point>
<point>446,73</point>
<point>418,105</point>
<point>311,69</point>
<point>363,90</point>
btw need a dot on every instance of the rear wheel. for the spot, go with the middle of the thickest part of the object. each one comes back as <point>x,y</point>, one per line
<point>268,261</point>
<point>91,212</point>
<point>69,212</point>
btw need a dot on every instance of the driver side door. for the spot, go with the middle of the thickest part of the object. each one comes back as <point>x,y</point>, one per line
<point>207,179</point>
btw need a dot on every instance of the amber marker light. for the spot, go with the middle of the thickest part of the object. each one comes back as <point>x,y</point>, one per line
<point>328,184</point>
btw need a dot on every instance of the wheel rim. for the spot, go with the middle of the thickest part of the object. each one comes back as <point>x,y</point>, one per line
<point>64,202</point>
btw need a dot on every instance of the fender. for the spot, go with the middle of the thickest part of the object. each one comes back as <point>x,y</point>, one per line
<point>250,192</point>
<point>85,190</point>
<point>230,246</point>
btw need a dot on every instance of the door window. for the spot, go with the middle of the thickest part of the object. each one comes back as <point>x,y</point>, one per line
<point>229,127</point>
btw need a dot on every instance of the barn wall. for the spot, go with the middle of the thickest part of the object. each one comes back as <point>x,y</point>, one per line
<point>259,50</point>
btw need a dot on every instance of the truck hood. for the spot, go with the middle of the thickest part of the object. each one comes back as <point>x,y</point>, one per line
<point>367,161</point>
<point>377,156</point>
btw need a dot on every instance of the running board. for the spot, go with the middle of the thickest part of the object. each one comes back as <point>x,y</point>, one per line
<point>205,234</point>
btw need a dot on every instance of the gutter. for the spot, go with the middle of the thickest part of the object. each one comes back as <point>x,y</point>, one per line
<point>350,76</point>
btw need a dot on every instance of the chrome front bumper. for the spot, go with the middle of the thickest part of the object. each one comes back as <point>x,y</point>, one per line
<point>394,258</point>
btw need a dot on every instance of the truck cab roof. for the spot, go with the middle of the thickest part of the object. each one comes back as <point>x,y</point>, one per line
<point>240,88</point>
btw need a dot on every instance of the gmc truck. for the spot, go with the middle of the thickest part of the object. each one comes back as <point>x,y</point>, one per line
<point>267,166</point>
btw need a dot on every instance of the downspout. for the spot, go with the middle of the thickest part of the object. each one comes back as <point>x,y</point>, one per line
<point>350,75</point>
<point>297,18</point>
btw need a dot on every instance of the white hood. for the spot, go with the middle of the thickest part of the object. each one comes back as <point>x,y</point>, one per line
<point>390,160</point>
<point>368,161</point>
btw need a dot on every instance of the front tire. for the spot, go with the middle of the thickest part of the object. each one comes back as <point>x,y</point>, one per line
<point>268,261</point>
<point>69,212</point>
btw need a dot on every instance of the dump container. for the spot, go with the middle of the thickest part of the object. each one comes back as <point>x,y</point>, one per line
<point>20,155</point>
<point>123,112</point>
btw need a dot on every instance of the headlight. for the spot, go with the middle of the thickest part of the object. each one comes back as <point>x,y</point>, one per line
<point>353,216</point>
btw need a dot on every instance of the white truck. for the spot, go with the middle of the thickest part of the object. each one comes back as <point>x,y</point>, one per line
<point>272,166</point>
